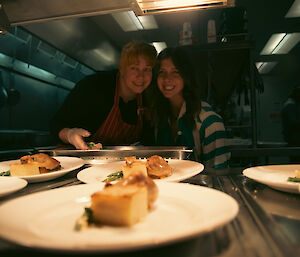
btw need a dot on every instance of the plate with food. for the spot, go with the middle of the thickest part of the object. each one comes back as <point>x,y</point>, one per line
<point>9,185</point>
<point>133,213</point>
<point>39,167</point>
<point>155,167</point>
<point>281,177</point>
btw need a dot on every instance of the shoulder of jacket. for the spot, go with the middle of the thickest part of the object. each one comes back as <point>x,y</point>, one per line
<point>98,78</point>
<point>103,75</point>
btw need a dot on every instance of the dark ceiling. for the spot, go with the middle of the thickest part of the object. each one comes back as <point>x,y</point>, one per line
<point>265,18</point>
<point>96,41</point>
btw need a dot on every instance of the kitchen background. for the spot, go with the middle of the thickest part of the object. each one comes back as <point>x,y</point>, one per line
<point>50,47</point>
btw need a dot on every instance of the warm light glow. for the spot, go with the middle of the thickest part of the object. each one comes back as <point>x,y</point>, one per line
<point>129,22</point>
<point>258,64</point>
<point>294,11</point>
<point>103,55</point>
<point>148,22</point>
<point>272,43</point>
<point>281,43</point>
<point>287,43</point>
<point>159,46</point>
<point>265,67</point>
<point>135,20</point>
<point>160,6</point>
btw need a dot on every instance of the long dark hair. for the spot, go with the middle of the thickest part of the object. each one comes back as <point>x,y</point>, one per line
<point>161,109</point>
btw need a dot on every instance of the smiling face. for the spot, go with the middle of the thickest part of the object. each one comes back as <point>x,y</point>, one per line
<point>136,77</point>
<point>169,80</point>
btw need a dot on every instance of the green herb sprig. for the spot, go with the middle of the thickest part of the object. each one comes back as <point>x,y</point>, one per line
<point>5,173</point>
<point>113,176</point>
<point>293,179</point>
<point>84,220</point>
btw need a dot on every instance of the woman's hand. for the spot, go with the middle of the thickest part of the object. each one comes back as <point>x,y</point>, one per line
<point>75,136</point>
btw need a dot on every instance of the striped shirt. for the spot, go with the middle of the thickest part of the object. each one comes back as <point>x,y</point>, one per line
<point>208,138</point>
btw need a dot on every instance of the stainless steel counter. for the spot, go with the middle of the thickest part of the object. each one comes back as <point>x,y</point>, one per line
<point>268,223</point>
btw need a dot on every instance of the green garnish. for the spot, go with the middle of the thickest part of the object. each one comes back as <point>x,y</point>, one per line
<point>113,176</point>
<point>90,144</point>
<point>293,179</point>
<point>84,220</point>
<point>5,173</point>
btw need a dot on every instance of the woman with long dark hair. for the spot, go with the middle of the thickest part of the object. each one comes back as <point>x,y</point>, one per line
<point>180,116</point>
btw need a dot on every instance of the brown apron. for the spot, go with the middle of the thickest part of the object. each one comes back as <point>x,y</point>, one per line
<point>114,131</point>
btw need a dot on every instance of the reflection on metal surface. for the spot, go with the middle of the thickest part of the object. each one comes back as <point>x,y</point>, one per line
<point>117,153</point>
<point>29,11</point>
<point>255,224</point>
<point>274,202</point>
<point>163,6</point>
<point>253,233</point>
<point>80,39</point>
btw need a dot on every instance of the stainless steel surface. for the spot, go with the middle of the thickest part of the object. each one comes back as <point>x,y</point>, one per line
<point>267,224</point>
<point>117,153</point>
<point>253,103</point>
<point>89,45</point>
<point>285,205</point>
<point>240,151</point>
<point>30,11</point>
<point>258,231</point>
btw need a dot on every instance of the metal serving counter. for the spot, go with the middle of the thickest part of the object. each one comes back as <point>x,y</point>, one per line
<point>117,153</point>
<point>268,222</point>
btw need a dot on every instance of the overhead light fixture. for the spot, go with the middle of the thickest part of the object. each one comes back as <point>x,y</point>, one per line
<point>281,43</point>
<point>159,46</point>
<point>265,67</point>
<point>161,6</point>
<point>287,43</point>
<point>294,11</point>
<point>128,21</point>
<point>148,22</point>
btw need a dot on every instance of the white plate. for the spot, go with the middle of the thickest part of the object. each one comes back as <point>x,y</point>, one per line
<point>46,219</point>
<point>181,169</point>
<point>275,176</point>
<point>67,163</point>
<point>9,185</point>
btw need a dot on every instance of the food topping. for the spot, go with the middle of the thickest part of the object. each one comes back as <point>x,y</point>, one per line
<point>94,146</point>
<point>122,204</point>
<point>34,165</point>
<point>157,167</point>
<point>296,178</point>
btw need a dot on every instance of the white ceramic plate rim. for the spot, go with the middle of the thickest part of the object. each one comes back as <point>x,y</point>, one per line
<point>97,173</point>
<point>9,185</point>
<point>68,164</point>
<point>206,209</point>
<point>275,176</point>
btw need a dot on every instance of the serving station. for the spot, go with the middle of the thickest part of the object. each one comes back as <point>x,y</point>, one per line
<point>267,222</point>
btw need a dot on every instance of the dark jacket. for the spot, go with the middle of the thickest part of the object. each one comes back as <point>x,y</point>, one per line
<point>90,102</point>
